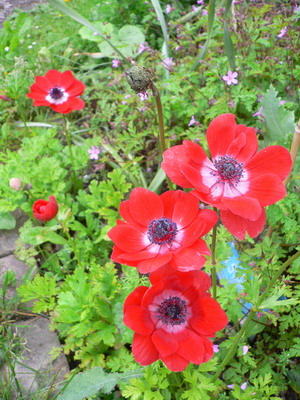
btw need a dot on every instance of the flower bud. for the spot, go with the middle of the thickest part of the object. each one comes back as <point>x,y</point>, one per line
<point>15,183</point>
<point>139,78</point>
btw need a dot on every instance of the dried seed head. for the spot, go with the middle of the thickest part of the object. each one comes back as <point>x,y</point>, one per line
<point>139,78</point>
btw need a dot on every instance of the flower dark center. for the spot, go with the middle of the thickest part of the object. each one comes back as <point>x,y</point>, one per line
<point>161,231</point>
<point>172,311</point>
<point>56,93</point>
<point>228,169</point>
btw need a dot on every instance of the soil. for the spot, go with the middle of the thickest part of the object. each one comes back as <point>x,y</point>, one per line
<point>7,7</point>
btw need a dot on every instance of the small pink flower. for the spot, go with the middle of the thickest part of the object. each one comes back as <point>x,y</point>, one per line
<point>168,9</point>
<point>193,121</point>
<point>194,8</point>
<point>177,48</point>
<point>258,113</point>
<point>124,102</point>
<point>143,95</point>
<point>144,47</point>
<point>200,1</point>
<point>94,152</point>
<point>245,350</point>
<point>244,385</point>
<point>115,63</point>
<point>204,12</point>
<point>231,386</point>
<point>230,78</point>
<point>169,63</point>
<point>282,32</point>
<point>216,348</point>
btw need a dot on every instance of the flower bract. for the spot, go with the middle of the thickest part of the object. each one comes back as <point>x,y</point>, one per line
<point>159,230</point>
<point>44,210</point>
<point>174,319</point>
<point>239,180</point>
<point>58,90</point>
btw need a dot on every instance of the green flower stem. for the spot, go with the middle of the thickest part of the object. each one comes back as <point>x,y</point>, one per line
<point>232,350</point>
<point>213,261</point>
<point>76,183</point>
<point>161,126</point>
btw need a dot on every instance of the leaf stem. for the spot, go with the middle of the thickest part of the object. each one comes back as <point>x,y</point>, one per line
<point>232,350</point>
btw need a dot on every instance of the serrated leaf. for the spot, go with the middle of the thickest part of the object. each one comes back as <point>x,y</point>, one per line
<point>279,121</point>
<point>92,381</point>
<point>7,220</point>
<point>41,234</point>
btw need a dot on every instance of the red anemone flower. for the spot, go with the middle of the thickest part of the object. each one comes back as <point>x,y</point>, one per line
<point>161,229</point>
<point>44,210</point>
<point>174,319</point>
<point>58,90</point>
<point>239,180</point>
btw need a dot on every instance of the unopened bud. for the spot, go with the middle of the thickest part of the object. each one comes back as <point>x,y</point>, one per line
<point>15,183</point>
<point>4,97</point>
<point>139,78</point>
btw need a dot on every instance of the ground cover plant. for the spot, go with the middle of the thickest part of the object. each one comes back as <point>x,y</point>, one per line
<point>153,146</point>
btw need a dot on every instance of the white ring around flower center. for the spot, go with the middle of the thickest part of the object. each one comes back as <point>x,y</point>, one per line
<point>62,100</point>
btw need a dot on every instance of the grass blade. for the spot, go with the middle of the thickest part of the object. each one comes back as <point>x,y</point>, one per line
<point>229,49</point>
<point>211,17</point>
<point>161,19</point>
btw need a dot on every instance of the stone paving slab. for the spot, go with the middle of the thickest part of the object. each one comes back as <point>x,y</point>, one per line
<point>8,238</point>
<point>39,341</point>
<point>7,7</point>
<point>11,263</point>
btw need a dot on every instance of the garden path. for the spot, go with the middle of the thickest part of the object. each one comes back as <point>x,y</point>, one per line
<point>7,7</point>
<point>34,332</point>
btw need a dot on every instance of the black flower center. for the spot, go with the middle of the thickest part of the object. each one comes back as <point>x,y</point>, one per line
<point>161,231</point>
<point>56,93</point>
<point>228,169</point>
<point>172,311</point>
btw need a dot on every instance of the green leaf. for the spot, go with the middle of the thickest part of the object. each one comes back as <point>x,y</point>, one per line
<point>7,220</point>
<point>279,122</point>
<point>92,381</point>
<point>41,234</point>
<point>79,18</point>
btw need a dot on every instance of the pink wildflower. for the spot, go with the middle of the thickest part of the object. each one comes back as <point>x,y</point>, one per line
<point>115,63</point>
<point>245,350</point>
<point>230,78</point>
<point>282,32</point>
<point>94,152</point>
<point>193,121</point>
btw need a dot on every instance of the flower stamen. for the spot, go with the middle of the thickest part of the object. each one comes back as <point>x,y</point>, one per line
<point>228,170</point>
<point>172,311</point>
<point>161,231</point>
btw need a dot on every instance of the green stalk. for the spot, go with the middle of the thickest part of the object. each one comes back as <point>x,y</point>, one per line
<point>76,183</point>
<point>213,261</point>
<point>232,350</point>
<point>161,126</point>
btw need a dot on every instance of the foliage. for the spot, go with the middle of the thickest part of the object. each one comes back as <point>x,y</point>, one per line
<point>77,285</point>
